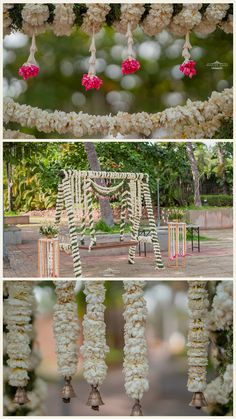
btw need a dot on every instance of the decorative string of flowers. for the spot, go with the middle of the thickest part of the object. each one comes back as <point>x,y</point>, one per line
<point>198,341</point>
<point>14,134</point>
<point>94,348</point>
<point>66,330</point>
<point>194,120</point>
<point>221,315</point>
<point>18,324</point>
<point>154,18</point>
<point>135,349</point>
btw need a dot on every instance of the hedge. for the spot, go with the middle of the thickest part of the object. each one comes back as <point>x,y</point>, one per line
<point>218,200</point>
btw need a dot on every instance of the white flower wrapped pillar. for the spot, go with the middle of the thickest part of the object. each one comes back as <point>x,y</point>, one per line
<point>18,324</point>
<point>66,331</point>
<point>198,341</point>
<point>135,349</point>
<point>94,347</point>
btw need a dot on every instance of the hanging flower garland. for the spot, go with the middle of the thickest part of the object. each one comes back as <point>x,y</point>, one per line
<point>198,341</point>
<point>130,65</point>
<point>66,330</point>
<point>95,17</point>
<point>221,316</point>
<point>130,13</point>
<point>64,18</point>
<point>158,18</point>
<point>30,68</point>
<point>14,134</point>
<point>186,19</point>
<point>35,18</point>
<point>90,80</point>
<point>18,324</point>
<point>194,120</point>
<point>188,66</point>
<point>135,349</point>
<point>7,21</point>
<point>94,348</point>
<point>212,17</point>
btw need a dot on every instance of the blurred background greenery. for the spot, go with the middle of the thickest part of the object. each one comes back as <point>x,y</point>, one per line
<point>158,85</point>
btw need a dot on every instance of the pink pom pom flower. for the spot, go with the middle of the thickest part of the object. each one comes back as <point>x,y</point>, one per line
<point>28,70</point>
<point>91,82</point>
<point>130,65</point>
<point>188,68</point>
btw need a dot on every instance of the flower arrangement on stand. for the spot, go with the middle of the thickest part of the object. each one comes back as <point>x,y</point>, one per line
<point>135,349</point>
<point>94,348</point>
<point>66,330</point>
<point>48,251</point>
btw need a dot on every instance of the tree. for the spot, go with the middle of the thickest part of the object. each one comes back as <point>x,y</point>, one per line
<point>106,211</point>
<point>221,167</point>
<point>195,174</point>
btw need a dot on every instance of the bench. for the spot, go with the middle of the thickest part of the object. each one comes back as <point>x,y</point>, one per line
<point>109,245</point>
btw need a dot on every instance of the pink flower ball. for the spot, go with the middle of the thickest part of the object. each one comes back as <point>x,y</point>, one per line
<point>188,68</point>
<point>28,70</point>
<point>91,82</point>
<point>130,65</point>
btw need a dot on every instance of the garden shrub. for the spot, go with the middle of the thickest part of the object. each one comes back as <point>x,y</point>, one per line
<point>218,200</point>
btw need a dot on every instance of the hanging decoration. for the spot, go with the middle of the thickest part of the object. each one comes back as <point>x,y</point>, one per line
<point>198,341</point>
<point>90,80</point>
<point>157,19</point>
<point>34,18</point>
<point>48,257</point>
<point>94,348</point>
<point>194,120</point>
<point>188,66</point>
<point>176,244</point>
<point>30,68</point>
<point>137,191</point>
<point>130,65</point>
<point>186,20</point>
<point>135,349</point>
<point>18,324</point>
<point>213,17</point>
<point>64,18</point>
<point>66,330</point>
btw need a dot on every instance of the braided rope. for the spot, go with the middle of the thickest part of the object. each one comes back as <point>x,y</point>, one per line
<point>153,228</point>
<point>90,213</point>
<point>123,214</point>
<point>71,223</point>
<point>59,203</point>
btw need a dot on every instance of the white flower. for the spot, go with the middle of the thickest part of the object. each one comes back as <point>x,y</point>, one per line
<point>158,18</point>
<point>95,17</point>
<point>64,18</point>
<point>130,13</point>
<point>135,349</point>
<point>34,18</point>
<point>221,315</point>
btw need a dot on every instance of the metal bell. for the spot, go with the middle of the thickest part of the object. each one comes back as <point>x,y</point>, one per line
<point>136,409</point>
<point>67,392</point>
<point>21,396</point>
<point>94,399</point>
<point>198,400</point>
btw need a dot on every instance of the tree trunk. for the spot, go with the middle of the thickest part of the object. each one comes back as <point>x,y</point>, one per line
<point>221,160</point>
<point>195,173</point>
<point>9,186</point>
<point>106,211</point>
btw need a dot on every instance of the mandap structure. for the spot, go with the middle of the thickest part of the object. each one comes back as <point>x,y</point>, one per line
<point>18,308</point>
<point>77,190</point>
<point>194,120</point>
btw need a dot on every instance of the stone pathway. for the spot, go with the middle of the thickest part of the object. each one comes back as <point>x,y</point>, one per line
<point>214,260</point>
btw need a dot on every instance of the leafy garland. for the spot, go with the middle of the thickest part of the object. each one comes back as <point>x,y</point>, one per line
<point>113,15</point>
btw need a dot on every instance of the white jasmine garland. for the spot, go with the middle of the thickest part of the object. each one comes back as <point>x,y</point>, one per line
<point>227,25</point>
<point>95,17</point>
<point>130,13</point>
<point>198,336</point>
<point>94,348</point>
<point>64,18</point>
<point>215,12</point>
<point>219,389</point>
<point>158,18</point>
<point>66,328</point>
<point>135,349</point>
<point>6,19</point>
<point>194,120</point>
<point>186,19</point>
<point>221,315</point>
<point>34,18</point>
<point>18,323</point>
<point>14,134</point>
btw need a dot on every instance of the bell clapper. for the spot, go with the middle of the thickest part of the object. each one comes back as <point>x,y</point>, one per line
<point>21,396</point>
<point>198,400</point>
<point>67,392</point>
<point>94,399</point>
<point>136,409</point>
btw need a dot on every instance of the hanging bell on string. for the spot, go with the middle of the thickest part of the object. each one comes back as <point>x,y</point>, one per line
<point>67,392</point>
<point>198,400</point>
<point>21,396</point>
<point>94,399</point>
<point>136,409</point>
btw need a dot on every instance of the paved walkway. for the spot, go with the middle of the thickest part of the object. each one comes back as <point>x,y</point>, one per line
<point>214,260</point>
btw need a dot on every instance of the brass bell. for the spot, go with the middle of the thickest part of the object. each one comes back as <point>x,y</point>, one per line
<point>21,396</point>
<point>94,399</point>
<point>136,409</point>
<point>198,400</point>
<point>67,392</point>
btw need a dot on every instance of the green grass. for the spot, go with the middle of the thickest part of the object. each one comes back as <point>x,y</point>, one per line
<point>9,213</point>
